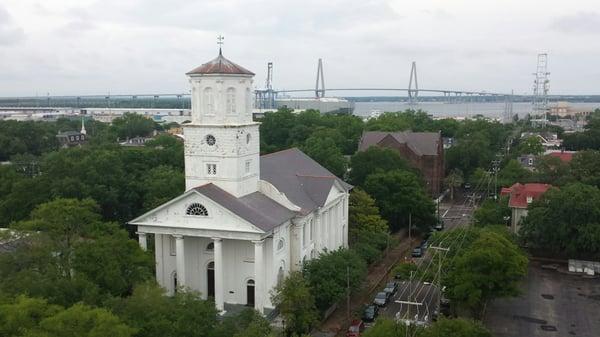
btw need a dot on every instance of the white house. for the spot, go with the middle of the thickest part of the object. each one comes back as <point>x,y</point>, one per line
<point>245,220</point>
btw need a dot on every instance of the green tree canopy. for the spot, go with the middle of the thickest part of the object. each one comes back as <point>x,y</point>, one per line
<point>458,327</point>
<point>326,153</point>
<point>374,160</point>
<point>491,267</point>
<point>398,193</point>
<point>585,167</point>
<point>513,172</point>
<point>363,214</point>
<point>296,304</point>
<point>565,222</point>
<point>132,125</point>
<point>326,275</point>
<point>493,212</point>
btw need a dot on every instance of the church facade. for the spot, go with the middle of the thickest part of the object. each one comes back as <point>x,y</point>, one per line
<point>245,221</point>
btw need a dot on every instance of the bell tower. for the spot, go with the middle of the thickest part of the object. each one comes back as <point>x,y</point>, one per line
<point>222,143</point>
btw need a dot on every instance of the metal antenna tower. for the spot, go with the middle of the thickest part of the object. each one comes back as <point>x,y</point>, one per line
<point>413,94</point>
<point>270,95</point>
<point>541,86</point>
<point>320,92</point>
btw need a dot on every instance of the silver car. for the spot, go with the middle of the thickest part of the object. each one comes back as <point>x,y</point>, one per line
<point>381,299</point>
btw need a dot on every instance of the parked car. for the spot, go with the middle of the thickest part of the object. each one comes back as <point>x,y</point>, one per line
<point>381,299</point>
<point>391,287</point>
<point>440,225</point>
<point>417,252</point>
<point>467,186</point>
<point>370,314</point>
<point>424,244</point>
<point>355,328</point>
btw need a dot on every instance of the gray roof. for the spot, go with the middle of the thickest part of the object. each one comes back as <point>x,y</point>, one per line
<point>68,133</point>
<point>303,181</point>
<point>255,208</point>
<point>421,143</point>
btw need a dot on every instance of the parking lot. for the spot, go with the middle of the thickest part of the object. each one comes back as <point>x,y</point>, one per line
<point>552,304</point>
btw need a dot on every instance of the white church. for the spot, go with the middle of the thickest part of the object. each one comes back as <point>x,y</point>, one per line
<point>245,221</point>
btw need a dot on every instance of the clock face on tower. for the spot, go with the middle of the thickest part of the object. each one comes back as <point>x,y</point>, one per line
<point>210,140</point>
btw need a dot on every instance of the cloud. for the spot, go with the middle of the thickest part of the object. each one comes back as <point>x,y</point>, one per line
<point>10,33</point>
<point>581,22</point>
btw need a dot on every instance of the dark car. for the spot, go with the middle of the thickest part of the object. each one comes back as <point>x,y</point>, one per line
<point>381,299</point>
<point>424,244</point>
<point>355,328</point>
<point>417,252</point>
<point>391,288</point>
<point>440,225</point>
<point>370,314</point>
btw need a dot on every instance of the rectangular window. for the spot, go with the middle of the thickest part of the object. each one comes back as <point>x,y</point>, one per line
<point>172,246</point>
<point>248,166</point>
<point>211,169</point>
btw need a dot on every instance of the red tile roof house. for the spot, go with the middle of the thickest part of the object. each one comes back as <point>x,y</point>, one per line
<point>521,195</point>
<point>565,156</point>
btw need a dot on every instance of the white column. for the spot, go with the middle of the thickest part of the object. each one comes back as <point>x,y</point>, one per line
<point>259,275</point>
<point>142,240</point>
<point>180,257</point>
<point>219,296</point>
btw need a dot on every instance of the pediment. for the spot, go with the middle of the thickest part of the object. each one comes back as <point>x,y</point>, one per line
<point>174,214</point>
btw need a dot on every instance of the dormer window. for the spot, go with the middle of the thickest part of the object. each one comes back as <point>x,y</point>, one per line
<point>230,106</point>
<point>196,209</point>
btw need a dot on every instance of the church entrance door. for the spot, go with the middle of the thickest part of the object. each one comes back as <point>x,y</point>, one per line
<point>250,293</point>
<point>210,280</point>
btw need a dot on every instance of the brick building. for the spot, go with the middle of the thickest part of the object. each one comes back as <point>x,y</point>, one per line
<point>423,150</point>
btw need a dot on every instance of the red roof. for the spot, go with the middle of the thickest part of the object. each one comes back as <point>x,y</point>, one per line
<point>220,65</point>
<point>522,195</point>
<point>564,156</point>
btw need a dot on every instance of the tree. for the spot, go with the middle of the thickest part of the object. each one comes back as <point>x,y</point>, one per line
<point>35,317</point>
<point>154,314</point>
<point>327,275</point>
<point>398,194</point>
<point>374,160</point>
<point>470,152</point>
<point>531,145</point>
<point>493,212</point>
<point>326,153</point>
<point>132,125</point>
<point>458,327</point>
<point>565,222</point>
<point>491,267</point>
<point>113,262</point>
<point>552,170</point>
<point>512,173</point>
<point>453,180</point>
<point>296,304</point>
<point>65,221</point>
<point>386,328</point>
<point>363,214</point>
<point>161,184</point>
<point>403,270</point>
<point>585,167</point>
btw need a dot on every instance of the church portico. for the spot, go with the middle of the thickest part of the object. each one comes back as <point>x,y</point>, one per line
<point>244,221</point>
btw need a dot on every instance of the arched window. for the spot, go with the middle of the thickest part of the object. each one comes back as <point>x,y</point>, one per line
<point>196,209</point>
<point>248,101</point>
<point>230,106</point>
<point>210,247</point>
<point>280,244</point>
<point>280,275</point>
<point>209,101</point>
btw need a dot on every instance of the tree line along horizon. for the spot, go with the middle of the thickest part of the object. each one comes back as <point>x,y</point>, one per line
<point>101,185</point>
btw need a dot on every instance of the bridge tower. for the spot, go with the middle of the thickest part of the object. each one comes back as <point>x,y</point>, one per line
<point>413,94</point>
<point>541,87</point>
<point>320,92</point>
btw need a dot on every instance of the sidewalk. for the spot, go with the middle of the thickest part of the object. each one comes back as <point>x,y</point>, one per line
<point>336,324</point>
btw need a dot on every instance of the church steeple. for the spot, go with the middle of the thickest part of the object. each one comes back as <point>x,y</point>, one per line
<point>222,141</point>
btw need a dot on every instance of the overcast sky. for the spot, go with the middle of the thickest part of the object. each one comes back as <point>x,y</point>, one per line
<point>146,46</point>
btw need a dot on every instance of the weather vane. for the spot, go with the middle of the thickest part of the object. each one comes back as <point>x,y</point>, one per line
<point>220,42</point>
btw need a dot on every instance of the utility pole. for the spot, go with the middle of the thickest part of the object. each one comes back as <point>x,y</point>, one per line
<point>439,275</point>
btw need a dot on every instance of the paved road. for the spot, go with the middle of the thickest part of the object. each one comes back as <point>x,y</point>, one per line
<point>552,304</point>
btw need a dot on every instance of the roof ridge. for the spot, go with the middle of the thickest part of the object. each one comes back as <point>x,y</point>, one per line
<point>280,151</point>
